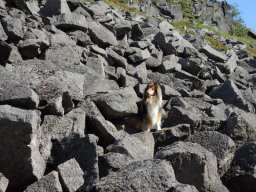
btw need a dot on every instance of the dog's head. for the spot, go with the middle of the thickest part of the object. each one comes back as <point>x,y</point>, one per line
<point>150,90</point>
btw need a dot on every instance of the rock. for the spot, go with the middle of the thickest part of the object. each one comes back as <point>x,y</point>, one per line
<point>127,145</point>
<point>55,7</point>
<point>17,95</point>
<point>67,54</point>
<point>171,10</point>
<point>57,127</point>
<point>3,35</point>
<point>193,165</point>
<point>119,60</point>
<point>230,94</point>
<point>100,35</point>
<point>222,146</point>
<point>231,64</point>
<point>213,54</point>
<point>170,64</point>
<point>163,43</point>
<point>49,182</point>
<point>252,33</point>
<point>169,92</point>
<point>241,176</point>
<point>165,27</point>
<point>153,175</point>
<point>84,151</point>
<point>153,62</point>
<point>71,175</point>
<point>13,28</point>
<point>97,64</point>
<point>136,31</point>
<point>98,50</point>
<point>78,116</point>
<point>67,21</point>
<point>146,138</point>
<point>3,183</point>
<point>122,28</point>
<point>192,65</point>
<point>171,135</point>
<point>81,37</point>
<point>118,104</point>
<point>19,131</point>
<point>5,50</point>
<point>29,48</point>
<point>112,162</point>
<point>184,187</point>
<point>240,126</point>
<point>140,56</point>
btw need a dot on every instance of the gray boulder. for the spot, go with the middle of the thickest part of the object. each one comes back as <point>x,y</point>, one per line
<point>165,27</point>
<point>213,54</point>
<point>171,64</point>
<point>193,165</point>
<point>5,50</point>
<point>118,104</point>
<point>13,28</point>
<point>168,136</point>
<point>81,37</point>
<point>241,176</point>
<point>252,33</point>
<point>28,7</point>
<point>240,126</point>
<point>3,35</point>
<point>20,132</point>
<point>71,175</point>
<point>140,56</point>
<point>100,35</point>
<point>67,21</point>
<point>17,95</point>
<point>49,182</point>
<point>3,183</point>
<point>220,145</point>
<point>152,175</point>
<point>230,94</point>
<point>97,64</point>
<point>55,7</point>
<point>118,59</point>
<point>84,150</point>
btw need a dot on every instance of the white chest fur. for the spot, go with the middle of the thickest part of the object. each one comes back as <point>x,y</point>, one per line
<point>153,110</point>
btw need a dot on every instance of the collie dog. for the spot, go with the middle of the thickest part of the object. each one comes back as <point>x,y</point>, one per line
<point>149,109</point>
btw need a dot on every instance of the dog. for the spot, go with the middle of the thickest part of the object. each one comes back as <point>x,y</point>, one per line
<point>149,109</point>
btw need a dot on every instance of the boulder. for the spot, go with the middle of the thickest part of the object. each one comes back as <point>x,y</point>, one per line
<point>153,175</point>
<point>13,28</point>
<point>28,7</point>
<point>71,175</point>
<point>165,27</point>
<point>241,176</point>
<point>193,165</point>
<point>84,150</point>
<point>252,33</point>
<point>97,64</point>
<point>81,37</point>
<point>222,146</point>
<point>100,35</point>
<point>118,104</point>
<point>240,126</point>
<point>3,183</point>
<point>3,35</point>
<point>140,56</point>
<point>67,21</point>
<point>15,94</point>
<point>106,131</point>
<point>19,130</point>
<point>55,7</point>
<point>49,182</point>
<point>168,136</point>
<point>213,54</point>
<point>171,64</point>
<point>5,50</point>
<point>118,59</point>
<point>230,94</point>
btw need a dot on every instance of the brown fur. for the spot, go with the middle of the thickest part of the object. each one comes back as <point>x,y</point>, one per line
<point>149,109</point>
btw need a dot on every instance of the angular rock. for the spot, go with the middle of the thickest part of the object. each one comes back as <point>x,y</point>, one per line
<point>240,126</point>
<point>17,95</point>
<point>222,146</point>
<point>81,37</point>
<point>29,7</point>
<point>3,183</point>
<point>100,35</point>
<point>165,27</point>
<point>29,48</point>
<point>19,131</point>
<point>153,175</point>
<point>183,188</point>
<point>67,21</point>
<point>171,135</point>
<point>213,54</point>
<point>13,28</point>
<point>104,129</point>
<point>241,176</point>
<point>230,94</point>
<point>112,162</point>
<point>71,175</point>
<point>5,50</point>
<point>118,104</point>
<point>3,35</point>
<point>49,182</point>
<point>84,151</point>
<point>98,50</point>
<point>146,138</point>
<point>170,65</point>
<point>192,65</point>
<point>118,59</point>
<point>169,92</point>
<point>140,56</point>
<point>230,64</point>
<point>252,33</point>
<point>97,64</point>
<point>193,165</point>
<point>55,7</point>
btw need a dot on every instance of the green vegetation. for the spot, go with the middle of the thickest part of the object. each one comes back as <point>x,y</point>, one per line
<point>238,24</point>
<point>216,44</point>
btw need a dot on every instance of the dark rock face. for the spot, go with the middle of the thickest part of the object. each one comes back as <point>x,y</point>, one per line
<point>72,74</point>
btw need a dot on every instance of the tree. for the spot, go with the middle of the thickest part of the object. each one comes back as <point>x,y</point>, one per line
<point>238,23</point>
